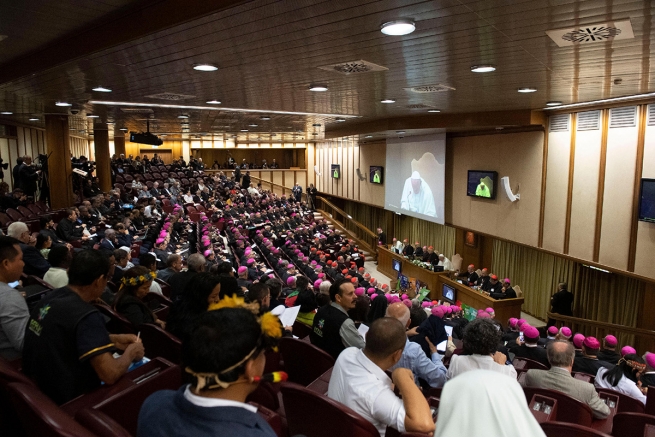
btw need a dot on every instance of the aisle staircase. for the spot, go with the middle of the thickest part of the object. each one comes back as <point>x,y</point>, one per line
<point>364,248</point>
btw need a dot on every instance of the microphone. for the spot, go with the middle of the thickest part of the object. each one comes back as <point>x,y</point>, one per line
<point>271,377</point>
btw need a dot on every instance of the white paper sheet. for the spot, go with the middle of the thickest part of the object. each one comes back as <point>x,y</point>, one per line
<point>289,316</point>
<point>363,329</point>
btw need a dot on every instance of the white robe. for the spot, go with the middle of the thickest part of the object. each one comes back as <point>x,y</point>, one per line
<point>421,202</point>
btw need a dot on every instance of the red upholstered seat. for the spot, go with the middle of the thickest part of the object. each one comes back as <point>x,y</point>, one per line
<point>42,417</point>
<point>650,401</point>
<point>631,424</point>
<point>161,343</point>
<point>527,364</point>
<point>9,422</point>
<point>26,212</point>
<point>568,409</point>
<point>586,377</point>
<point>297,354</point>
<point>301,330</point>
<point>315,415</point>
<point>273,419</point>
<point>564,429</point>
<point>165,287</point>
<point>117,324</point>
<point>5,220</point>
<point>14,215</point>
<point>627,404</point>
<point>100,424</point>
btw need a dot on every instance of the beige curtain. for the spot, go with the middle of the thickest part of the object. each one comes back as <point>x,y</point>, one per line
<point>441,237</point>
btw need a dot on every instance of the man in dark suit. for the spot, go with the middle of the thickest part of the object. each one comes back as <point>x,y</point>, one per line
<point>608,353</point>
<point>561,302</point>
<point>506,290</point>
<point>28,176</point>
<point>16,173</point>
<point>470,275</point>
<point>648,377</point>
<point>408,250</point>
<point>589,362</point>
<point>35,263</point>
<point>245,184</point>
<point>382,237</point>
<point>110,242</point>
<point>154,191</point>
<point>530,349</point>
<point>68,230</point>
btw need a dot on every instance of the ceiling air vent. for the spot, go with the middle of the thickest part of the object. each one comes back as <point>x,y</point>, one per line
<point>137,110</point>
<point>651,115</point>
<point>623,117</point>
<point>354,67</point>
<point>559,122</point>
<point>169,96</point>
<point>592,33</point>
<point>418,106</point>
<point>423,89</point>
<point>589,120</point>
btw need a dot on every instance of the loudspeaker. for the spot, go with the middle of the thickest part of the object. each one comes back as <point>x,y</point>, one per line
<point>508,190</point>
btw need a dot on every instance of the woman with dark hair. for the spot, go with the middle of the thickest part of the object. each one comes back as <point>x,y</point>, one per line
<point>623,377</point>
<point>135,285</point>
<point>225,354</point>
<point>359,314</point>
<point>308,306</point>
<point>230,287</point>
<point>201,291</point>
<point>378,309</point>
<point>43,244</point>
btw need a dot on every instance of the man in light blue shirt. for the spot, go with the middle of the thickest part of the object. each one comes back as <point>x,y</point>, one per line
<point>431,370</point>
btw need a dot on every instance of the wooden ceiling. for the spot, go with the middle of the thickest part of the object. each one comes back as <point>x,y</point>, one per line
<point>269,52</point>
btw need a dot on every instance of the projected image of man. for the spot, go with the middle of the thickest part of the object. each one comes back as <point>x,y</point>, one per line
<point>482,190</point>
<point>417,196</point>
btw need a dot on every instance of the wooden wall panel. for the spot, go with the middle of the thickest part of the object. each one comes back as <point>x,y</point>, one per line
<point>559,146</point>
<point>585,192</point>
<point>301,178</point>
<point>617,200</point>
<point>646,231</point>
<point>311,161</point>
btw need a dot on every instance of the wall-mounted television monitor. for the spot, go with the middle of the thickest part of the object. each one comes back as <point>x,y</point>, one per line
<point>395,264</point>
<point>376,174</point>
<point>482,184</point>
<point>449,293</point>
<point>335,171</point>
<point>647,201</point>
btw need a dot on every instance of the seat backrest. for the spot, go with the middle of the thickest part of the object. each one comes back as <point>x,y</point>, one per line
<point>100,424</point>
<point>40,416</point>
<point>543,408</point>
<point>25,211</point>
<point>117,324</point>
<point>649,431</point>
<point>5,220</point>
<point>15,215</point>
<point>631,424</point>
<point>301,330</point>
<point>627,404</point>
<point>161,343</point>
<point>650,401</point>
<point>316,415</point>
<point>165,287</point>
<point>564,429</point>
<point>586,377</point>
<point>519,292</point>
<point>322,383</point>
<point>456,261</point>
<point>569,409</point>
<point>527,364</point>
<point>296,354</point>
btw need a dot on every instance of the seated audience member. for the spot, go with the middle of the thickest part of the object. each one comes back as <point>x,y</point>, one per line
<point>68,351</point>
<point>13,308</point>
<point>275,288</point>
<point>506,291</point>
<point>307,301</point>
<point>323,297</point>
<point>483,279</point>
<point>149,261</point>
<point>378,309</point>
<point>135,285</point>
<point>589,362</point>
<point>260,293</point>
<point>68,229</point>
<point>121,257</point>
<point>242,279</point>
<point>110,242</point>
<point>173,266</point>
<point>35,264</point>
<point>481,340</point>
<point>416,317</point>
<point>470,277</point>
<point>60,260</point>
<point>551,335</point>
<point>608,353</point>
<point>359,381</point>
<point>408,249</point>
<point>431,370</point>
<point>648,377</point>
<point>196,264</point>
<point>203,290</point>
<point>484,403</point>
<point>530,349</point>
<point>623,377</point>
<point>492,285</point>
<point>560,356</point>
<point>48,227</point>
<point>223,362</point>
<point>577,344</point>
<point>43,244</point>
<point>333,330</point>
<point>444,262</point>
<point>301,284</point>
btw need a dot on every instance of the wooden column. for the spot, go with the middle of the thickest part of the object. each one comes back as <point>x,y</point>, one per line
<point>103,161</point>
<point>119,144</point>
<point>59,164</point>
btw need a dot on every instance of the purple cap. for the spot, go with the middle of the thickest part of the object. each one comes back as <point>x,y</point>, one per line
<point>626,350</point>
<point>371,290</point>
<point>490,310</point>
<point>553,330</point>
<point>242,270</point>
<point>407,303</point>
<point>160,240</point>
<point>359,291</point>
<point>438,311</point>
<point>403,297</point>
<point>591,343</point>
<point>321,275</point>
<point>520,322</point>
<point>610,340</point>
<point>250,261</point>
<point>578,339</point>
<point>314,262</point>
<point>317,283</point>
<point>373,296</point>
<point>207,252</point>
<point>272,276</point>
<point>565,332</point>
<point>426,304</point>
<point>531,332</point>
<point>448,310</point>
<point>650,359</point>
<point>484,315</point>
<point>291,280</point>
<point>512,322</point>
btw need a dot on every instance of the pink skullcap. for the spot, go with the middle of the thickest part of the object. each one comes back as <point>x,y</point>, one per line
<point>314,263</point>
<point>395,299</point>
<point>286,243</point>
<point>506,280</point>
<point>484,315</point>
<point>512,322</point>
<point>591,343</point>
<point>291,280</point>
<point>242,270</point>
<point>367,276</point>
<point>321,275</point>
<point>448,310</point>
<point>373,296</point>
<point>520,322</point>
<point>317,283</point>
<point>438,311</point>
<point>404,296</point>
<point>627,350</point>
<point>565,331</point>
<point>553,330</point>
<point>207,252</point>
<point>280,261</point>
<point>162,234</point>
<point>531,332</point>
<point>290,267</point>
<point>359,291</point>
<point>371,290</point>
<point>272,276</point>
<point>490,310</point>
<point>160,240</point>
<point>480,311</point>
<point>426,304</point>
<point>407,303</point>
<point>296,251</point>
<point>246,251</point>
<point>650,359</point>
<point>250,261</point>
<point>610,340</point>
<point>578,339</point>
<point>389,298</point>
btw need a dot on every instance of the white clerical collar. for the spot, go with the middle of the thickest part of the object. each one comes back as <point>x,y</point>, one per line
<point>201,401</point>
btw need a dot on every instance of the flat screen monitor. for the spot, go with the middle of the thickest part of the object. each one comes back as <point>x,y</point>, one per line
<point>395,264</point>
<point>376,174</point>
<point>647,201</point>
<point>449,293</point>
<point>482,184</point>
<point>335,171</point>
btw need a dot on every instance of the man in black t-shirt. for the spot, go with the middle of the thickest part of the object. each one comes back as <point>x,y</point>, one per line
<point>67,349</point>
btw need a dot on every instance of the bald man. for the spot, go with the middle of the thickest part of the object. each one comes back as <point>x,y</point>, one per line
<point>417,196</point>
<point>413,358</point>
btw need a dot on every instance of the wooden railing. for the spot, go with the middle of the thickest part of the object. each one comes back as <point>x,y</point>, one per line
<point>268,185</point>
<point>640,339</point>
<point>364,236</point>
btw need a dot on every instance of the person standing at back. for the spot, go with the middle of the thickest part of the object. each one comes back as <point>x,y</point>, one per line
<point>561,302</point>
<point>16,173</point>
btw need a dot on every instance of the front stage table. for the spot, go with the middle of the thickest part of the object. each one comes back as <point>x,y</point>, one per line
<point>429,278</point>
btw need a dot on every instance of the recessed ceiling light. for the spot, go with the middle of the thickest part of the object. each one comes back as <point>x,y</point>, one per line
<point>101,89</point>
<point>398,27</point>
<point>205,67</point>
<point>33,119</point>
<point>162,135</point>
<point>6,112</point>
<point>183,116</point>
<point>244,130</point>
<point>252,125</point>
<point>434,110</point>
<point>527,90</point>
<point>400,132</point>
<point>388,101</point>
<point>318,88</point>
<point>553,103</point>
<point>92,116</point>
<point>63,104</point>
<point>214,102</point>
<point>265,117</point>
<point>123,129</point>
<point>368,136</point>
<point>340,120</point>
<point>499,128</point>
<point>483,68</point>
